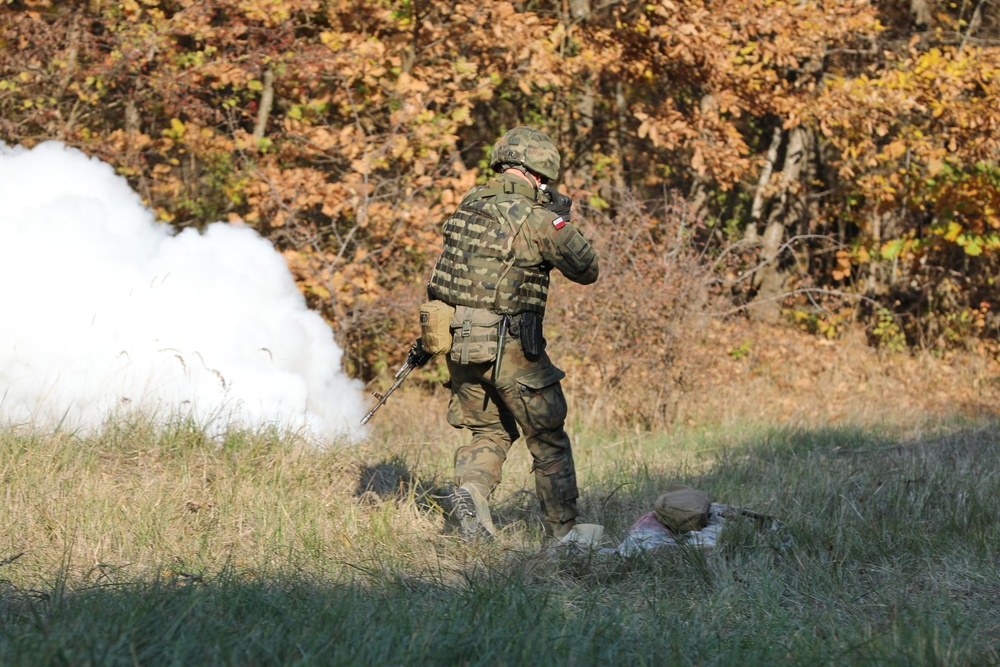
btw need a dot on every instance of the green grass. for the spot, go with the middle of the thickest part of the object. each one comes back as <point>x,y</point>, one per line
<point>161,546</point>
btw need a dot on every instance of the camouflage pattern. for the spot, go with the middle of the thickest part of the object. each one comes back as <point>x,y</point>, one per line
<point>529,148</point>
<point>526,399</point>
<point>500,246</point>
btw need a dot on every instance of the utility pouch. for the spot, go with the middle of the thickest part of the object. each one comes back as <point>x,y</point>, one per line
<point>532,341</point>
<point>681,508</point>
<point>435,326</point>
<point>474,335</point>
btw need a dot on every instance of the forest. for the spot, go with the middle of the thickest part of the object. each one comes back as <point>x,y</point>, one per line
<point>824,163</point>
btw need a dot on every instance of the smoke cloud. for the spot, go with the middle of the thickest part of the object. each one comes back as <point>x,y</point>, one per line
<point>105,311</point>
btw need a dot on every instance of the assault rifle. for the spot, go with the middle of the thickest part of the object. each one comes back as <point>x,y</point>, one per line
<point>415,358</point>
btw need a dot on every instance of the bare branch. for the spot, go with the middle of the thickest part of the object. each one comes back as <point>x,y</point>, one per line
<point>804,290</point>
<point>266,102</point>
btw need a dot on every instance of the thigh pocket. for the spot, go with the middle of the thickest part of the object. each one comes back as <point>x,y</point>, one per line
<point>542,396</point>
<point>456,412</point>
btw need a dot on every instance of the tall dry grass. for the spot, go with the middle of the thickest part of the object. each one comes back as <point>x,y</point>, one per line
<point>164,546</point>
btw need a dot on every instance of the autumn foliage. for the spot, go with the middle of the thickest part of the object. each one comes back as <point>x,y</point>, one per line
<point>822,162</point>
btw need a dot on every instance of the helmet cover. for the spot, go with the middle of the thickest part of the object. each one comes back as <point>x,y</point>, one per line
<point>529,148</point>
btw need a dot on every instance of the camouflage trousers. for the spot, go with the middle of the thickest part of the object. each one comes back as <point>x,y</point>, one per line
<point>526,399</point>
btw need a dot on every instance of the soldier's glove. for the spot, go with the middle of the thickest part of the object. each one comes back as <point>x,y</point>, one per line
<point>558,203</point>
<point>417,355</point>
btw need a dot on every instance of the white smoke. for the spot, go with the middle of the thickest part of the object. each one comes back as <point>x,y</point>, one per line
<point>104,310</point>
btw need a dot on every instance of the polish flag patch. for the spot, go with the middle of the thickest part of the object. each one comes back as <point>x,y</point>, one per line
<point>559,223</point>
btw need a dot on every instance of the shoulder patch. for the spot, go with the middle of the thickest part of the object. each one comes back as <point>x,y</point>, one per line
<point>559,223</point>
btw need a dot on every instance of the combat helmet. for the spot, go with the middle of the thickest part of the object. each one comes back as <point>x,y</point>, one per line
<point>528,148</point>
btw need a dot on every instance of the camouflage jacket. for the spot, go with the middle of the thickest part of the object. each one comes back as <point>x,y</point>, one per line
<point>501,244</point>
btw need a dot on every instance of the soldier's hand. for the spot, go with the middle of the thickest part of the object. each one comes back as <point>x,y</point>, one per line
<point>558,203</point>
<point>418,356</point>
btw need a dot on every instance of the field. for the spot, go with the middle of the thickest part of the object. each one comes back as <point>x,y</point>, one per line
<point>161,546</point>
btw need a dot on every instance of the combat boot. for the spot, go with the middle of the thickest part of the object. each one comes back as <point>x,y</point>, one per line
<point>471,513</point>
<point>559,530</point>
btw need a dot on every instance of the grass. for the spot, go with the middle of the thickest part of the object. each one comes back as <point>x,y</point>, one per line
<point>166,547</point>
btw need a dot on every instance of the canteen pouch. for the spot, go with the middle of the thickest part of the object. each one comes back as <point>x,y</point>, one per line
<point>532,341</point>
<point>435,326</point>
<point>475,333</point>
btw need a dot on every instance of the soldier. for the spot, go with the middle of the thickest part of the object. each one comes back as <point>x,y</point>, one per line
<point>499,247</point>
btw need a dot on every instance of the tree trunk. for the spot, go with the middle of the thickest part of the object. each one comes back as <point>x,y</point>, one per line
<point>579,9</point>
<point>582,131</point>
<point>920,11</point>
<point>621,165</point>
<point>752,234</point>
<point>787,211</point>
<point>698,197</point>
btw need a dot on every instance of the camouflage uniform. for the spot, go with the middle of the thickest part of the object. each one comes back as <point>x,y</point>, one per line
<point>500,246</point>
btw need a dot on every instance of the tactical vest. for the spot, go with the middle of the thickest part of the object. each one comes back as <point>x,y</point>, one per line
<point>477,268</point>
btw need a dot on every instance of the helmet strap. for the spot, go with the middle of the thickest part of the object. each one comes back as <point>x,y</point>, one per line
<point>530,175</point>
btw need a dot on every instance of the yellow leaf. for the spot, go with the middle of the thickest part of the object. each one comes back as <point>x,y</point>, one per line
<point>954,229</point>
<point>895,150</point>
<point>404,83</point>
<point>555,37</point>
<point>319,291</point>
<point>973,247</point>
<point>893,249</point>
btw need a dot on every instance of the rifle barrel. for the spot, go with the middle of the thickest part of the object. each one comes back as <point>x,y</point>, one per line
<point>382,398</point>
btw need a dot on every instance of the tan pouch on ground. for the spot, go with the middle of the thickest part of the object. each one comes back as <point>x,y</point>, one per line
<point>681,508</point>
